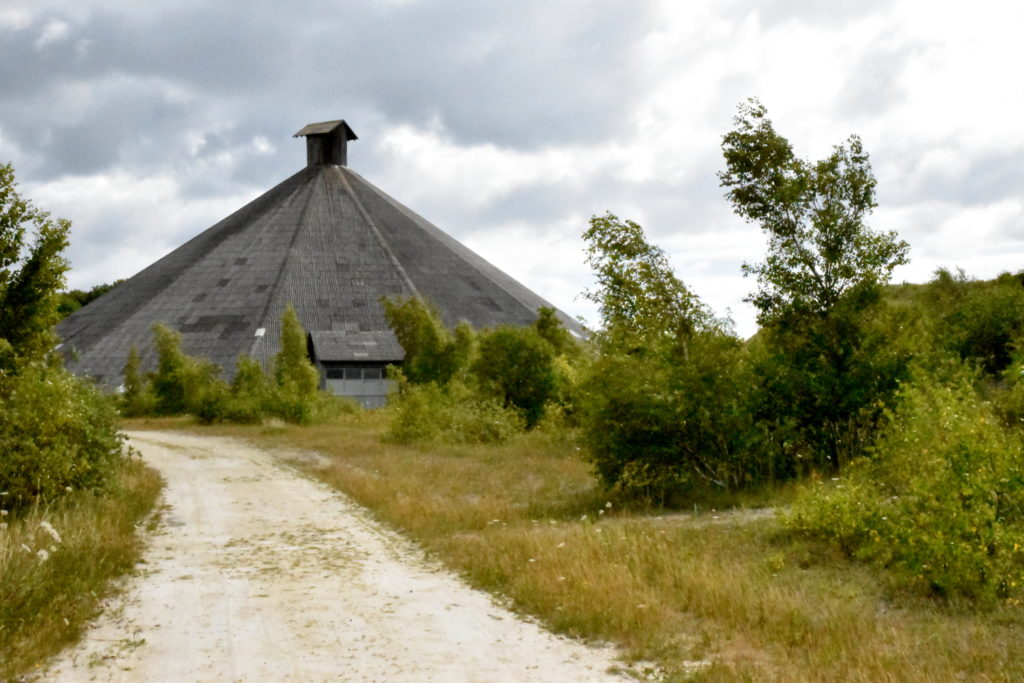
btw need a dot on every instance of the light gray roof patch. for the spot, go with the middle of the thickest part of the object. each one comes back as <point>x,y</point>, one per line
<point>338,346</point>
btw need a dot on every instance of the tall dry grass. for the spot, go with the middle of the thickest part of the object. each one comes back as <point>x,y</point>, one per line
<point>56,564</point>
<point>704,595</point>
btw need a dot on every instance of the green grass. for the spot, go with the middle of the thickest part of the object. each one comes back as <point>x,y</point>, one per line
<point>705,594</point>
<point>50,588</point>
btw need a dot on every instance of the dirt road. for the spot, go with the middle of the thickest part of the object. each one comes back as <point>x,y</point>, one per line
<point>258,573</point>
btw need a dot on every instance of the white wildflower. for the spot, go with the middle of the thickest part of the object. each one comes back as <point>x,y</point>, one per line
<point>43,554</point>
<point>608,505</point>
<point>26,548</point>
<point>48,528</point>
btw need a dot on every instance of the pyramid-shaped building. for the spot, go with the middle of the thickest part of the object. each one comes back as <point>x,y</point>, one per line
<point>325,241</point>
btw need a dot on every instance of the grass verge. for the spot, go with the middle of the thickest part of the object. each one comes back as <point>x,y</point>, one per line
<point>705,595</point>
<point>56,565</point>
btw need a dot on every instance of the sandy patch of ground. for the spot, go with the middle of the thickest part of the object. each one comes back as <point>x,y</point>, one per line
<point>258,573</point>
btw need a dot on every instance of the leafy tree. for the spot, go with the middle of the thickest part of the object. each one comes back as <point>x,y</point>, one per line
<point>820,249</point>
<point>819,284</point>
<point>183,384</point>
<point>665,405</point>
<point>293,371</point>
<point>137,398</point>
<point>432,353</point>
<point>31,274</point>
<point>57,433</point>
<point>980,321</point>
<point>550,328</point>
<point>516,365</point>
<point>638,295</point>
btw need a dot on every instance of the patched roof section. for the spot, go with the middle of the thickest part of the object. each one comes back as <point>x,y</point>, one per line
<point>338,346</point>
<point>325,127</point>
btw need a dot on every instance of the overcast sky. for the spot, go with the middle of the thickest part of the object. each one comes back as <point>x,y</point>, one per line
<point>508,124</point>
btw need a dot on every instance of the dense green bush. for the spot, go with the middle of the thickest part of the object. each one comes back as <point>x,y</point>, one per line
<point>657,428</point>
<point>981,321</point>
<point>516,366</point>
<point>432,353</point>
<point>941,501</point>
<point>57,434</point>
<point>455,413</point>
<point>137,397</point>
<point>183,385</point>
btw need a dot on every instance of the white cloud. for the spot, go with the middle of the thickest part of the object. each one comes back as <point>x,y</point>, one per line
<point>122,223</point>
<point>15,18</point>
<point>53,32</point>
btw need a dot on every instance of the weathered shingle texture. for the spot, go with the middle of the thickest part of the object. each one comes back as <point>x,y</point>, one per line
<point>324,240</point>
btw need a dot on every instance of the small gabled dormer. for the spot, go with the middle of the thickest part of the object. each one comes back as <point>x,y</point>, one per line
<point>327,142</point>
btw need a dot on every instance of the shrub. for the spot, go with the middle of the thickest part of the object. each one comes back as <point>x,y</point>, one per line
<point>656,424</point>
<point>940,503</point>
<point>428,413</point>
<point>56,434</point>
<point>515,365</point>
<point>137,398</point>
<point>183,384</point>
<point>432,353</point>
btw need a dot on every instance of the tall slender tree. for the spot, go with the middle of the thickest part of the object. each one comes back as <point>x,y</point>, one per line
<point>821,277</point>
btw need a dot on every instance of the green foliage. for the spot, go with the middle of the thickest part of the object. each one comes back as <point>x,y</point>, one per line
<point>293,371</point>
<point>57,434</point>
<point>828,379</point>
<point>70,301</point>
<point>182,384</point>
<point>981,321</point>
<point>940,503</point>
<point>297,398</point>
<point>638,295</point>
<point>252,394</point>
<point>657,427</point>
<point>30,277</point>
<point>428,413</point>
<point>432,353</point>
<point>666,405</point>
<point>516,366</point>
<point>818,287</point>
<point>551,330</point>
<point>819,246</point>
<point>137,398</point>
<point>186,385</point>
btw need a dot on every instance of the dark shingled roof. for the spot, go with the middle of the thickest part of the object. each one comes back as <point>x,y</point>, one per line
<point>338,346</point>
<point>326,241</point>
<point>326,127</point>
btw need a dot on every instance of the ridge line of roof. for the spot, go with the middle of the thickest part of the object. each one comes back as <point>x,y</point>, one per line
<point>261,205</point>
<point>378,234</point>
<point>407,211</point>
<point>262,319</point>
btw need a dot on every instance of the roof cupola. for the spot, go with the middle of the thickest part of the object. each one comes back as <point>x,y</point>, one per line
<point>327,142</point>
